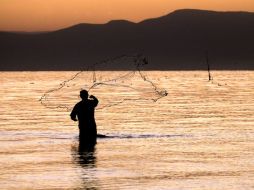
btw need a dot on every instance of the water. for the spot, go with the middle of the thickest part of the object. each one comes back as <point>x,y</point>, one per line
<point>200,136</point>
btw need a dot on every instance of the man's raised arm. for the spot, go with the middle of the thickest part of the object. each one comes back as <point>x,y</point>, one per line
<point>95,100</point>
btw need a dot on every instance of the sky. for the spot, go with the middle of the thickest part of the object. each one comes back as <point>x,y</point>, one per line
<point>48,15</point>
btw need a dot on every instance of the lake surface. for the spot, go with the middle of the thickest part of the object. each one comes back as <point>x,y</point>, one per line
<point>199,137</point>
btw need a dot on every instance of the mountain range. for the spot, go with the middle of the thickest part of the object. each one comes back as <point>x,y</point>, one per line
<point>177,41</point>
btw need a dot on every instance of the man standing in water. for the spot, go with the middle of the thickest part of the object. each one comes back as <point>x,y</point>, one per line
<point>84,110</point>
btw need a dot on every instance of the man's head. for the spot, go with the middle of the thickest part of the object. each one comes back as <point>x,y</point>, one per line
<point>83,94</point>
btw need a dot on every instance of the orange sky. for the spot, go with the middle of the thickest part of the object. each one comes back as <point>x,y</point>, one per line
<point>41,15</point>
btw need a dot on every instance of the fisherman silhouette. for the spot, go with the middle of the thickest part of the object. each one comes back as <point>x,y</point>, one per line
<point>84,111</point>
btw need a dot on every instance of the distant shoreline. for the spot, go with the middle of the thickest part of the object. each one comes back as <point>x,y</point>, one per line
<point>125,70</point>
<point>177,41</point>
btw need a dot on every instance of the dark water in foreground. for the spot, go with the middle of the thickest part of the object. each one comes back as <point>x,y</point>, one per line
<point>199,137</point>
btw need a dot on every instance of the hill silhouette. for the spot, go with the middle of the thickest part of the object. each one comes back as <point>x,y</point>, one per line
<point>177,41</point>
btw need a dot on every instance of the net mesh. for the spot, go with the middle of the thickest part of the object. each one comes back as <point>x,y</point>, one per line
<point>126,83</point>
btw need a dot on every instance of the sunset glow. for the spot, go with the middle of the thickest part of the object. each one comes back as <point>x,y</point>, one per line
<point>43,15</point>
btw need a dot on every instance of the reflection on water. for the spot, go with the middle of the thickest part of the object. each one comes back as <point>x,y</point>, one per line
<point>84,156</point>
<point>199,137</point>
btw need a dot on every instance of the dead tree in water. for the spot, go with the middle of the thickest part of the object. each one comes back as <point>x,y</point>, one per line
<point>208,68</point>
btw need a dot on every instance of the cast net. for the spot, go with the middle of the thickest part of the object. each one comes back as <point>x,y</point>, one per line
<point>127,83</point>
